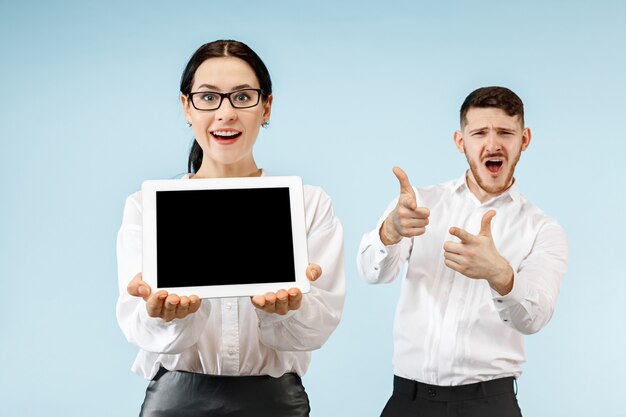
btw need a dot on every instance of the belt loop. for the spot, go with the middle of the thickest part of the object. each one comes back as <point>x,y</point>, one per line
<point>515,382</point>
<point>484,389</point>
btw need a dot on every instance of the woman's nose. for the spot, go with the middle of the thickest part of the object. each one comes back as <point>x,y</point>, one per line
<point>226,111</point>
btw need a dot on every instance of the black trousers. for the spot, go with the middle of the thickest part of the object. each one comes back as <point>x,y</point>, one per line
<point>495,398</point>
<point>187,394</point>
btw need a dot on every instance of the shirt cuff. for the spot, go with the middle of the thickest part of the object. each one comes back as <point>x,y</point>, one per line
<point>515,297</point>
<point>380,250</point>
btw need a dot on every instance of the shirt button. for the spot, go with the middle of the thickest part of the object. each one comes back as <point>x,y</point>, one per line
<point>382,251</point>
<point>228,306</point>
<point>499,301</point>
<point>375,268</point>
<point>231,351</point>
<point>432,392</point>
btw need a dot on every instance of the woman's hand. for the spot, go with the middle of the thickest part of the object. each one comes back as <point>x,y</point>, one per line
<point>283,301</point>
<point>161,304</point>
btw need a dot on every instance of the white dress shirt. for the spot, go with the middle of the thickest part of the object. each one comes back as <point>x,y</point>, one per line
<point>229,336</point>
<point>450,329</point>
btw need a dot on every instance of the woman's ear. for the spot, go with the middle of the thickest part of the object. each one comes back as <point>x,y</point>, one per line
<point>184,100</point>
<point>267,109</point>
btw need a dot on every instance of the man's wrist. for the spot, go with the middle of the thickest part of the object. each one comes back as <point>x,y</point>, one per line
<point>384,235</point>
<point>503,283</point>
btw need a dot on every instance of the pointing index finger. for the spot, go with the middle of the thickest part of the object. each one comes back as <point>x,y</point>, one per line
<point>405,187</point>
<point>461,234</point>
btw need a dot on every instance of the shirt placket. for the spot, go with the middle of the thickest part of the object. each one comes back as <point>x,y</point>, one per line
<point>230,336</point>
<point>452,334</point>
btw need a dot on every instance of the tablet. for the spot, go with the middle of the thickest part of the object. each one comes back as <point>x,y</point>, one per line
<point>224,237</point>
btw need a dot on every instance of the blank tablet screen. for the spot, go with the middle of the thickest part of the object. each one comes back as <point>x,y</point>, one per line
<point>224,237</point>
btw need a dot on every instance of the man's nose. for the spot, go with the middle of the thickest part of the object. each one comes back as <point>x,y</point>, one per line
<point>493,142</point>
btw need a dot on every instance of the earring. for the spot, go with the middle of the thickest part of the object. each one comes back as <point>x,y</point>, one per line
<point>265,124</point>
<point>188,123</point>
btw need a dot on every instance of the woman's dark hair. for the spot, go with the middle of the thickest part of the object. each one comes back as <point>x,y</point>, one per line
<point>498,97</point>
<point>216,49</point>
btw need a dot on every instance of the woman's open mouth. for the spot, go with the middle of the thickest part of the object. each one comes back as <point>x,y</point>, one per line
<point>225,136</point>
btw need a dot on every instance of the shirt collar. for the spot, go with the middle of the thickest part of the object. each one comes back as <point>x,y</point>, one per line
<point>512,194</point>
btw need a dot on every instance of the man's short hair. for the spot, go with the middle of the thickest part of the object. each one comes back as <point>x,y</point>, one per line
<point>498,97</point>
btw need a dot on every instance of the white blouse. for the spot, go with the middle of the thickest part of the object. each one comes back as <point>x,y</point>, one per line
<point>229,336</point>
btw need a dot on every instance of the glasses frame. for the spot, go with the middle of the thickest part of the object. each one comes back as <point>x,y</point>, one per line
<point>226,95</point>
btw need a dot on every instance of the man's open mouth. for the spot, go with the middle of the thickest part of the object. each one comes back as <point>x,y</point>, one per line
<point>494,165</point>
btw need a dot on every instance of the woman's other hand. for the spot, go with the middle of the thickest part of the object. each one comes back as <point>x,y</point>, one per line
<point>283,301</point>
<point>161,304</point>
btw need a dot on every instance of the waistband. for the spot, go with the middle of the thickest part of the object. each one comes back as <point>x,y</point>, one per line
<point>473,391</point>
<point>224,378</point>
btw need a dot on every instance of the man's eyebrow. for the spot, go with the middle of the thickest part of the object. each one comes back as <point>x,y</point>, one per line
<point>478,129</point>
<point>499,129</point>
<point>506,129</point>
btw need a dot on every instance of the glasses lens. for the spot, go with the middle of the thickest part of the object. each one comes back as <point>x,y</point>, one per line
<point>244,98</point>
<point>206,101</point>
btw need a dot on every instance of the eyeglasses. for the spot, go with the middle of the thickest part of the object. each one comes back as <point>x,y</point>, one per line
<point>211,100</point>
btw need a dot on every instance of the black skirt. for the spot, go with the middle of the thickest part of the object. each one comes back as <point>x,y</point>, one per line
<point>187,394</point>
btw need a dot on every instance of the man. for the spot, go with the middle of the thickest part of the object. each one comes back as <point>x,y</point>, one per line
<point>484,269</point>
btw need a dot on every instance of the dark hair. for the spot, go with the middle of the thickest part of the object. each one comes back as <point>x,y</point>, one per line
<point>215,49</point>
<point>498,97</point>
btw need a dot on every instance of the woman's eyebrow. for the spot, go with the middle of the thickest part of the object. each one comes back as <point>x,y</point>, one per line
<point>212,87</point>
<point>240,86</point>
<point>216,88</point>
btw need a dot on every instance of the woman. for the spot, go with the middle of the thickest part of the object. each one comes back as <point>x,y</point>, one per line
<point>230,356</point>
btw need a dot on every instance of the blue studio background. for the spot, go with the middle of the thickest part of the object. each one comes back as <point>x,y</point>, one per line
<point>89,108</point>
